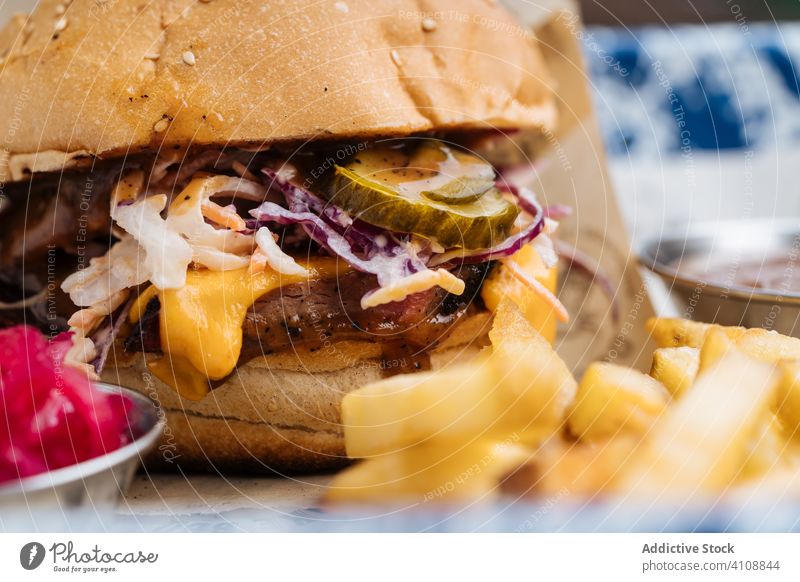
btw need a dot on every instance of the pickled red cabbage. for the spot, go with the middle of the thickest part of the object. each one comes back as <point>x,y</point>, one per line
<point>51,415</point>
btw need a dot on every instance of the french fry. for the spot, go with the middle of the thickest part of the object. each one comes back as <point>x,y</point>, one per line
<point>560,468</point>
<point>787,399</point>
<point>536,389</point>
<point>673,332</point>
<point>675,368</point>
<point>537,386</point>
<point>510,323</point>
<point>429,473</point>
<point>781,483</point>
<point>766,450</point>
<point>716,344</point>
<point>769,346</point>
<point>715,414</point>
<point>700,443</point>
<point>522,387</point>
<point>405,410</point>
<point>615,400</point>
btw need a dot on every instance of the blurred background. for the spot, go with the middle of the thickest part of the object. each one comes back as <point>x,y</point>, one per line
<point>622,13</point>
<point>699,106</point>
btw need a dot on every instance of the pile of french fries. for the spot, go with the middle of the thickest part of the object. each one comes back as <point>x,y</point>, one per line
<point>716,415</point>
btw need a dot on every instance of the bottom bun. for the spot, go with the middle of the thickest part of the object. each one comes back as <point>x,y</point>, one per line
<point>278,413</point>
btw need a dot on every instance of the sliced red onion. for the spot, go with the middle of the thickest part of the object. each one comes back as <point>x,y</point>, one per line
<point>524,196</point>
<point>527,201</point>
<point>370,239</point>
<point>389,263</point>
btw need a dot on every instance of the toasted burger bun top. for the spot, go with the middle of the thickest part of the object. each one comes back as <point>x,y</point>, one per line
<point>105,78</point>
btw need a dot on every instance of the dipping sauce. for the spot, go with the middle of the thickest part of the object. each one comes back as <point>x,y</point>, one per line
<point>743,272</point>
<point>774,271</point>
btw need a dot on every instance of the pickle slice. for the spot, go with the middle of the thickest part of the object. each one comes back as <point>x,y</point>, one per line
<point>427,189</point>
<point>460,190</point>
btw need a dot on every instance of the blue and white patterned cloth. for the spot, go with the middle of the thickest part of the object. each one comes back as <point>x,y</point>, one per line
<point>718,87</point>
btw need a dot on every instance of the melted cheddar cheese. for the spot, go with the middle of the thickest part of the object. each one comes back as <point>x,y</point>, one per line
<point>201,323</point>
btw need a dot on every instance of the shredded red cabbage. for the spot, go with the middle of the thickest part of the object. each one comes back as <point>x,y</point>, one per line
<point>362,246</point>
<point>389,256</point>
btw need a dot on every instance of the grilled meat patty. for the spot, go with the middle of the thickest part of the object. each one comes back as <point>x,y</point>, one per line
<point>328,310</point>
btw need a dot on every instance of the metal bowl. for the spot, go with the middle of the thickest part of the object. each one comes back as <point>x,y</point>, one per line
<point>730,246</point>
<point>96,482</point>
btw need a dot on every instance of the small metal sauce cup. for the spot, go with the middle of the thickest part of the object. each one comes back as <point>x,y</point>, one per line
<point>101,481</point>
<point>730,244</point>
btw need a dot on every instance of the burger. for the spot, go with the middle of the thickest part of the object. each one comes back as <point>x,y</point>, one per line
<point>246,210</point>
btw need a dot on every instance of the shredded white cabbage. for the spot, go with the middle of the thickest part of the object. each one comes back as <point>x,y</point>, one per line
<point>157,249</point>
<point>121,267</point>
<point>218,249</point>
<point>196,229</point>
<point>167,254</point>
<point>81,354</point>
<point>161,165</point>
<point>85,320</point>
<point>275,257</point>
